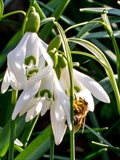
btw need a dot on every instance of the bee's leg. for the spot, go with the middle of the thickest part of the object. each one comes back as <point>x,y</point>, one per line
<point>83,124</point>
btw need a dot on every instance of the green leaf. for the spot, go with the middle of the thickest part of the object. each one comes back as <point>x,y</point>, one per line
<point>107,146</point>
<point>103,61</point>
<point>103,140</point>
<point>37,147</point>
<point>1,8</point>
<point>5,134</point>
<point>46,20</point>
<point>94,24</point>
<point>57,13</point>
<point>100,10</point>
<point>95,154</point>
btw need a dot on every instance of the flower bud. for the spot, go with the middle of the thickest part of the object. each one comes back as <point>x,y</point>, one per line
<point>62,61</point>
<point>55,43</point>
<point>33,22</point>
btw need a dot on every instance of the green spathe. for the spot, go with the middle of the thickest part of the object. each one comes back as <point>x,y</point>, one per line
<point>55,43</point>
<point>62,62</point>
<point>33,22</point>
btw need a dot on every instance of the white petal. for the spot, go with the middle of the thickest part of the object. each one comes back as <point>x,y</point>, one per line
<point>31,103</point>
<point>59,112</point>
<point>17,142</point>
<point>47,83</point>
<point>33,112</point>
<point>65,79</point>
<point>16,61</point>
<point>24,98</point>
<point>13,81</point>
<point>92,86</point>
<point>86,95</point>
<point>63,100</point>
<point>59,128</point>
<point>32,47</point>
<point>5,82</point>
<point>43,72</point>
<point>46,106</point>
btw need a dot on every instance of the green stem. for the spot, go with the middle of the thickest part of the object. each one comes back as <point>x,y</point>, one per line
<point>12,130</point>
<point>52,145</point>
<point>12,135</point>
<point>14,12</point>
<point>70,68</point>
<point>39,10</point>
<point>118,58</point>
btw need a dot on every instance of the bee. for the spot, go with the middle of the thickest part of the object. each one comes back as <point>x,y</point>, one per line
<point>80,111</point>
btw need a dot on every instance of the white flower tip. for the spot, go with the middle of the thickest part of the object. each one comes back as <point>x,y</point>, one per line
<point>28,117</point>
<point>105,98</point>
<point>3,90</point>
<point>17,142</point>
<point>4,87</point>
<point>70,126</point>
<point>57,142</point>
<point>13,116</point>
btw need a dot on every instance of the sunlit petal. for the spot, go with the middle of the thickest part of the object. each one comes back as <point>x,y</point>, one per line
<point>31,103</point>
<point>32,47</point>
<point>64,79</point>
<point>59,128</point>
<point>16,61</point>
<point>24,98</point>
<point>63,100</point>
<point>44,71</point>
<point>93,86</point>
<point>34,111</point>
<point>46,106</point>
<point>6,82</point>
<point>47,84</point>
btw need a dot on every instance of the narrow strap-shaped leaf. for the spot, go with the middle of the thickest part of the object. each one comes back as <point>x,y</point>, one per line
<point>57,13</point>
<point>113,11</point>
<point>5,134</point>
<point>103,61</point>
<point>1,8</point>
<point>37,147</point>
<point>104,141</point>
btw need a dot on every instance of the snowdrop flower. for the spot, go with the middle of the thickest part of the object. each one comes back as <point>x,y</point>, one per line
<point>50,96</point>
<point>84,86</point>
<point>27,63</point>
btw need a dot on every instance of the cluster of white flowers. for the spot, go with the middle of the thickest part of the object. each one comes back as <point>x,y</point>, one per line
<point>30,68</point>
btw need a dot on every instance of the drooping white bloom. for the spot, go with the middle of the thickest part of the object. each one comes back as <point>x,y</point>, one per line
<point>27,63</point>
<point>84,86</point>
<point>50,96</point>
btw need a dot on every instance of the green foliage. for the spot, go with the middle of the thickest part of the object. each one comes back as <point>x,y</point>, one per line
<point>94,44</point>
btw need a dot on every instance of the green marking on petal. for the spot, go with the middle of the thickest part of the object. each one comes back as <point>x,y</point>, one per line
<point>42,93</point>
<point>29,59</point>
<point>76,88</point>
<point>32,72</point>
